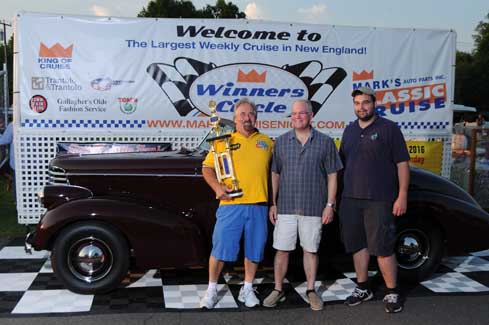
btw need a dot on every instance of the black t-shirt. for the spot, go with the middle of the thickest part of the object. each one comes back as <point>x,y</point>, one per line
<point>370,158</point>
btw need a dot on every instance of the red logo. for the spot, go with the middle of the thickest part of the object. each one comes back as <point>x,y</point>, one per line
<point>364,75</point>
<point>55,51</point>
<point>252,76</point>
<point>38,103</point>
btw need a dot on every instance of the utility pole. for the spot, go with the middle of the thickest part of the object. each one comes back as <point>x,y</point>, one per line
<point>5,71</point>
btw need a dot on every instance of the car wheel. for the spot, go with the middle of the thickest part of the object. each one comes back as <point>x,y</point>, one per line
<point>419,248</point>
<point>90,258</point>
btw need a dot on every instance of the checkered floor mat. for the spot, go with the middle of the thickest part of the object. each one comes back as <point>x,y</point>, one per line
<point>29,286</point>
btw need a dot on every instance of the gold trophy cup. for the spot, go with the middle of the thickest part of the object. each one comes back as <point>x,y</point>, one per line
<point>223,163</point>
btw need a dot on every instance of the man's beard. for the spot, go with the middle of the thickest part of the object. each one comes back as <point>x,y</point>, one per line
<point>248,126</point>
<point>367,117</point>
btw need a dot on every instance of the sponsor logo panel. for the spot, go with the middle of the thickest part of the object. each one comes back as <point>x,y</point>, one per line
<point>105,83</point>
<point>127,105</point>
<point>38,104</point>
<point>82,105</point>
<point>272,89</point>
<point>55,84</point>
<point>190,84</point>
<point>37,83</point>
<point>55,57</point>
<point>397,96</point>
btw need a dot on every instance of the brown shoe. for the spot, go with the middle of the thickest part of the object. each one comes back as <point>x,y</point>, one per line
<point>274,298</point>
<point>315,302</point>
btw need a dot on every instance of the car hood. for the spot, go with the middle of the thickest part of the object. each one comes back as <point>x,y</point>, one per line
<point>182,161</point>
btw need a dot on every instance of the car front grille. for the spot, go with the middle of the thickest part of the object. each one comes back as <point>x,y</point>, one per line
<point>57,175</point>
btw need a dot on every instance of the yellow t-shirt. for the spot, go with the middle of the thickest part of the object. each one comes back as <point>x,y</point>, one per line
<point>251,161</point>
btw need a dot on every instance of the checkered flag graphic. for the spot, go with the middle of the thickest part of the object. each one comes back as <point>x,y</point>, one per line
<point>176,80</point>
<point>320,83</point>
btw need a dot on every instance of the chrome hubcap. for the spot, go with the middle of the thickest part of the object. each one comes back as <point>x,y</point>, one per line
<point>90,259</point>
<point>412,249</point>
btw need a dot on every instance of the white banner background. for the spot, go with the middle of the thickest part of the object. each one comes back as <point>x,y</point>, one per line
<point>92,73</point>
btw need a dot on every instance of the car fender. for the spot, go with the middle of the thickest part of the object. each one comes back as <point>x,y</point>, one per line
<point>463,223</point>
<point>157,237</point>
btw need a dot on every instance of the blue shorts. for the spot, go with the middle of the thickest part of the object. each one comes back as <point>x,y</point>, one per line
<point>231,221</point>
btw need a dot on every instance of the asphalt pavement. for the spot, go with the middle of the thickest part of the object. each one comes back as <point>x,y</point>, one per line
<point>421,310</point>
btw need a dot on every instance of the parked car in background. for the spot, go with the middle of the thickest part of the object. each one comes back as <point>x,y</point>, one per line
<point>109,213</point>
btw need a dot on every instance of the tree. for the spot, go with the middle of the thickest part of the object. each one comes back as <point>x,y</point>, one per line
<point>186,9</point>
<point>481,39</point>
<point>222,9</point>
<point>463,72</point>
<point>169,9</point>
<point>472,71</point>
<point>481,62</point>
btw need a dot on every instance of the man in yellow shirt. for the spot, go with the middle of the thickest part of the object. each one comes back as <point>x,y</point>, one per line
<point>251,152</point>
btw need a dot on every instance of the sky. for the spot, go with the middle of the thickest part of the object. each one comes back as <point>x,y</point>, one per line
<point>461,16</point>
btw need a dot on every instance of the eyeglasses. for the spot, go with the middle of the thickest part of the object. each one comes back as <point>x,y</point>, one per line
<point>300,113</point>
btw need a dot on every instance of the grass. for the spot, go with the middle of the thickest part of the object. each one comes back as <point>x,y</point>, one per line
<point>9,228</point>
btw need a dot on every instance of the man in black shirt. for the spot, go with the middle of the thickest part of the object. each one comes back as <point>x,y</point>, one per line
<point>376,179</point>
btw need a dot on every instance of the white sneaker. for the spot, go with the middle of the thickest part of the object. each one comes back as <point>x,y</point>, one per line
<point>209,300</point>
<point>248,297</point>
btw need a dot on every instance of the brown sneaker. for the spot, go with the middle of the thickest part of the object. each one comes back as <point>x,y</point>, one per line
<point>315,302</point>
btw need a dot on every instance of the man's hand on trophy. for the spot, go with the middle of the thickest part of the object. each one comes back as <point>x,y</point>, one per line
<point>222,192</point>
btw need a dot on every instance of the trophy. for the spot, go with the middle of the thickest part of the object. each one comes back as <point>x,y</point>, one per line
<point>223,163</point>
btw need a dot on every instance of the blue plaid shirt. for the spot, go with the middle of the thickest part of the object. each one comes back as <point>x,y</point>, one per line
<point>303,170</point>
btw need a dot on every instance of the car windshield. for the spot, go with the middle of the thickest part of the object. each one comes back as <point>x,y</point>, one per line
<point>227,127</point>
<point>93,148</point>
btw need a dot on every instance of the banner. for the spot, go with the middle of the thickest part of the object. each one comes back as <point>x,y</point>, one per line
<point>95,73</point>
<point>426,154</point>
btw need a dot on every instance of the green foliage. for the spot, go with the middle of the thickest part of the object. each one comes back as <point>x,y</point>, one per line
<point>472,71</point>
<point>9,227</point>
<point>169,8</point>
<point>222,10</point>
<point>481,39</point>
<point>464,81</point>
<point>186,9</point>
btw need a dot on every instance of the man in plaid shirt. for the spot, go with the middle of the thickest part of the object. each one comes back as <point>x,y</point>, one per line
<point>304,167</point>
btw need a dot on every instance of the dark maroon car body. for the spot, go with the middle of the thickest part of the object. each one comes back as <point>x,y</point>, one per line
<point>107,213</point>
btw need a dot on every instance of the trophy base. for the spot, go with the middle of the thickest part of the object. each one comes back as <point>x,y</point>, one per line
<point>236,193</point>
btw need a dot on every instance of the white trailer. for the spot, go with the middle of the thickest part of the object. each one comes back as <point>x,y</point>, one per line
<point>102,79</point>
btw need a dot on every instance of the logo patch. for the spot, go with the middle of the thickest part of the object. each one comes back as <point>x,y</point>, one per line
<point>128,104</point>
<point>37,83</point>
<point>261,144</point>
<point>55,51</point>
<point>56,57</point>
<point>234,146</point>
<point>105,84</point>
<point>38,104</point>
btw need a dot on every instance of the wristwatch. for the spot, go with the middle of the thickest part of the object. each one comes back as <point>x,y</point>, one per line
<point>331,205</point>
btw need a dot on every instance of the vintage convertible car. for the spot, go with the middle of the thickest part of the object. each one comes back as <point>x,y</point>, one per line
<point>108,213</point>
